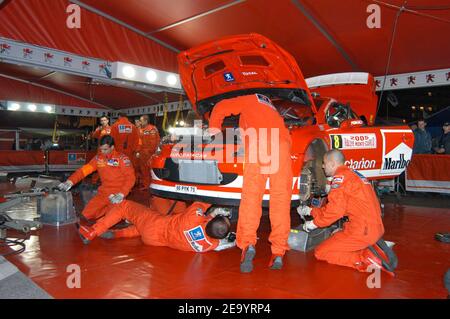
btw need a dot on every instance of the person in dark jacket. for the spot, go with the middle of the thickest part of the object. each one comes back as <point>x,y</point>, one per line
<point>441,144</point>
<point>422,139</point>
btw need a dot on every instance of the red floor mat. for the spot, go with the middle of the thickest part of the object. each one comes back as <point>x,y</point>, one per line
<point>125,268</point>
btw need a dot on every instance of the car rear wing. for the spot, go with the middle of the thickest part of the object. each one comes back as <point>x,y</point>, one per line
<point>355,88</point>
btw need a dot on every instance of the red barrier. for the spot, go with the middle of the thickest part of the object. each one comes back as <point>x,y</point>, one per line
<point>429,173</point>
<point>22,161</point>
<point>68,160</point>
<point>35,161</point>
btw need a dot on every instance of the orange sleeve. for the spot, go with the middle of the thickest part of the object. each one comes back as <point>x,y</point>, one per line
<point>194,217</point>
<point>158,138</point>
<point>139,141</point>
<point>127,171</point>
<point>222,110</point>
<point>334,209</point>
<point>114,133</point>
<point>84,171</point>
<point>96,133</point>
<point>134,139</point>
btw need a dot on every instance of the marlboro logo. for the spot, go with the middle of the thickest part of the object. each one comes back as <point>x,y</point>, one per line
<point>391,164</point>
<point>396,154</point>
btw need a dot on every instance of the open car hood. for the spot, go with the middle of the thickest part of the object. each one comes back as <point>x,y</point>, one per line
<point>240,65</point>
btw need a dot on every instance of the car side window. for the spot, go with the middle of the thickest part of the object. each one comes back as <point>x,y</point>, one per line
<point>337,113</point>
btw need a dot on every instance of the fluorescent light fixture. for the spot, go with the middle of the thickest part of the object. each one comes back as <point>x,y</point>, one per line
<point>30,107</point>
<point>14,106</point>
<point>171,79</point>
<point>137,73</point>
<point>48,109</point>
<point>151,76</point>
<point>128,71</point>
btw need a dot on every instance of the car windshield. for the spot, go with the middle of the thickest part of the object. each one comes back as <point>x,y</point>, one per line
<point>294,113</point>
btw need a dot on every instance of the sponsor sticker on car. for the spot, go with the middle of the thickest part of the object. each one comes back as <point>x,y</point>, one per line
<point>228,76</point>
<point>353,141</point>
<point>396,154</point>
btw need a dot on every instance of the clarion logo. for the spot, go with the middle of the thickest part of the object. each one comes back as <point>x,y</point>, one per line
<point>362,164</point>
<point>401,163</point>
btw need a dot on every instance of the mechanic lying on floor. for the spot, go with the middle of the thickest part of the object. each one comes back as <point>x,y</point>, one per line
<point>116,175</point>
<point>351,195</point>
<point>191,230</point>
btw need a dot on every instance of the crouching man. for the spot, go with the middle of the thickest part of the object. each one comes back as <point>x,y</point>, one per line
<point>191,230</point>
<point>116,175</point>
<point>350,195</point>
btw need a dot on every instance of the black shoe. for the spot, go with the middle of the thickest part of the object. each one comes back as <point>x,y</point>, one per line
<point>107,235</point>
<point>443,237</point>
<point>247,259</point>
<point>83,239</point>
<point>122,224</point>
<point>276,263</point>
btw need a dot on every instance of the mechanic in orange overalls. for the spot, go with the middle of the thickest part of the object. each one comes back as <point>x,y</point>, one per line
<point>257,112</point>
<point>103,129</point>
<point>149,138</point>
<point>191,230</point>
<point>135,157</point>
<point>116,175</point>
<point>351,195</point>
<point>126,136</point>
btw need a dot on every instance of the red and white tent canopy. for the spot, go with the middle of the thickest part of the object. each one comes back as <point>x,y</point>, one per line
<point>324,36</point>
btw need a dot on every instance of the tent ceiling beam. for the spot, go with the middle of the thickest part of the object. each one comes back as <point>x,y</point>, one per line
<point>326,34</point>
<point>124,24</point>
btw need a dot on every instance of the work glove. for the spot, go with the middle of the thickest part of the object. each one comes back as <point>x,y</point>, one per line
<point>304,210</point>
<point>221,211</point>
<point>309,226</point>
<point>116,198</point>
<point>66,186</point>
<point>227,242</point>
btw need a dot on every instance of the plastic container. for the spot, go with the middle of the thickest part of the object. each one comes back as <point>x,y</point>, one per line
<point>57,209</point>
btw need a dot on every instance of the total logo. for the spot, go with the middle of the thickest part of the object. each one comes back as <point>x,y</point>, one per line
<point>249,73</point>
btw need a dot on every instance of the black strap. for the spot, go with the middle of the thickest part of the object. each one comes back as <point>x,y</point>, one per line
<point>172,207</point>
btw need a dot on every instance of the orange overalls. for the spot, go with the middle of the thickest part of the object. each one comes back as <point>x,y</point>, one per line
<point>98,134</point>
<point>116,175</point>
<point>256,111</point>
<point>135,160</point>
<point>351,195</point>
<point>163,205</point>
<point>101,131</point>
<point>149,142</point>
<point>183,231</point>
<point>126,137</point>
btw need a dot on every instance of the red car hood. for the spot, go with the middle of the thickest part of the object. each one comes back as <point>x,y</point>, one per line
<point>239,65</point>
